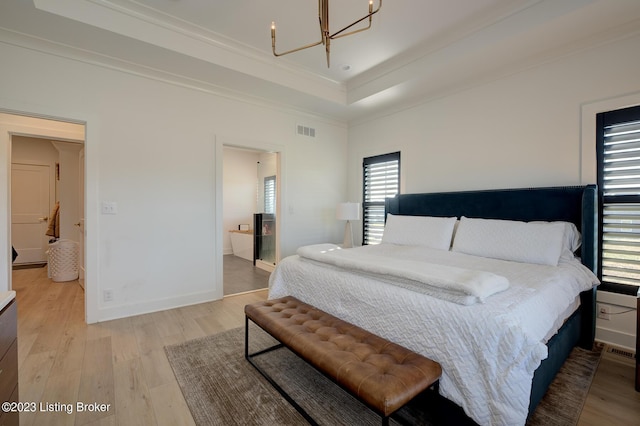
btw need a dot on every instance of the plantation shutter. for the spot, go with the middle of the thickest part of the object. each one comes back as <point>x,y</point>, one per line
<point>381,179</point>
<point>270,194</point>
<point>619,178</point>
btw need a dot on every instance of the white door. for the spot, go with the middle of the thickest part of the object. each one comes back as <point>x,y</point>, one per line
<point>30,211</point>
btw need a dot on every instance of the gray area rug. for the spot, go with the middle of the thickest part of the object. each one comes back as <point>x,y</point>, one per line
<point>564,400</point>
<point>222,388</point>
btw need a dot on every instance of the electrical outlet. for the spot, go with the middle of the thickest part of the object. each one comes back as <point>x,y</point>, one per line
<point>604,311</point>
<point>107,295</point>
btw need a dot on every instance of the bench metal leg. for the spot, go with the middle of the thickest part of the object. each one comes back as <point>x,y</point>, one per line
<point>273,383</point>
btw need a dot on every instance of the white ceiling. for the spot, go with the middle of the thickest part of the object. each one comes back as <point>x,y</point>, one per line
<point>415,49</point>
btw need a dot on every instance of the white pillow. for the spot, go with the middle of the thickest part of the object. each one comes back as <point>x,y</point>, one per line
<point>530,242</point>
<point>572,239</point>
<point>426,231</point>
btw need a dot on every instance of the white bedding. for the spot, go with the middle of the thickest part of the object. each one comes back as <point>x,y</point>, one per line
<point>451,283</point>
<point>488,351</point>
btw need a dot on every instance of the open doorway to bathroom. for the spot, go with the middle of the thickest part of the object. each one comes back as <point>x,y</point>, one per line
<point>250,200</point>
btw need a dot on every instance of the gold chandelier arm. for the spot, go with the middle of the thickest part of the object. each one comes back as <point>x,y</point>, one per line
<point>338,34</point>
<point>273,43</point>
<point>294,50</point>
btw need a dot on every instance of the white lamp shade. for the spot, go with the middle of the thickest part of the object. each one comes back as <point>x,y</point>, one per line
<point>348,211</point>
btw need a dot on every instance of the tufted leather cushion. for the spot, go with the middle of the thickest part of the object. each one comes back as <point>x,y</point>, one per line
<point>382,374</point>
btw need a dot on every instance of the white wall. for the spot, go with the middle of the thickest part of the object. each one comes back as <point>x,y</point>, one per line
<point>151,148</point>
<point>34,151</point>
<point>517,131</point>
<point>239,192</point>
<point>27,150</point>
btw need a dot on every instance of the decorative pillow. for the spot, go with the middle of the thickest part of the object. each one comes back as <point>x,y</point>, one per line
<point>529,242</point>
<point>426,231</point>
<point>572,240</point>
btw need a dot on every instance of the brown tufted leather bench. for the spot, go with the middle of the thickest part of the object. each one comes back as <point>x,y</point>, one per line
<point>382,374</point>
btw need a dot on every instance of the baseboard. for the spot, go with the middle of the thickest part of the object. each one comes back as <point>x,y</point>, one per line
<point>107,313</point>
<point>615,338</point>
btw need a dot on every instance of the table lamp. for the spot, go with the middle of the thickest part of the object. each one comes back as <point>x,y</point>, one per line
<point>348,212</point>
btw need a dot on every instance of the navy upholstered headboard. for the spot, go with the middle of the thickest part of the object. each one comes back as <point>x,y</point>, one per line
<point>577,204</point>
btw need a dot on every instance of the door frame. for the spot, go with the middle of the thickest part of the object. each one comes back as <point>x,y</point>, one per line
<point>279,150</point>
<point>31,120</point>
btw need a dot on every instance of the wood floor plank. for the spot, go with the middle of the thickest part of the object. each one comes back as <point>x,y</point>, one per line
<point>58,405</point>
<point>51,332</point>
<point>189,326</point>
<point>612,399</point>
<point>105,421</point>
<point>148,338</point>
<point>170,406</point>
<point>124,343</point>
<point>133,399</point>
<point>157,369</point>
<point>32,378</point>
<point>97,381</point>
<point>70,351</point>
<point>24,345</point>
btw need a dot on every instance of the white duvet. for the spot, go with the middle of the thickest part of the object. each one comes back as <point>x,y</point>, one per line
<point>451,283</point>
<point>488,351</point>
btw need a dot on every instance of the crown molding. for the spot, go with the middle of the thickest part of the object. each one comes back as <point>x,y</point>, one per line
<point>422,97</point>
<point>48,47</point>
<point>525,35</point>
<point>139,22</point>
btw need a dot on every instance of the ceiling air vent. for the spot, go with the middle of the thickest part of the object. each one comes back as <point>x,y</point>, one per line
<point>305,131</point>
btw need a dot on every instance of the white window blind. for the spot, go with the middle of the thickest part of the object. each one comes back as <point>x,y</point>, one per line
<point>381,179</point>
<point>619,177</point>
<point>621,244</point>
<point>270,194</point>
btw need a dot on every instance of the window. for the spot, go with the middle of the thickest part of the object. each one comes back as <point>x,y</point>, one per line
<point>381,179</point>
<point>618,150</point>
<point>270,194</point>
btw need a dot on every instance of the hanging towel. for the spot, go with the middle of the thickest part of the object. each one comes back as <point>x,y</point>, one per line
<point>54,222</point>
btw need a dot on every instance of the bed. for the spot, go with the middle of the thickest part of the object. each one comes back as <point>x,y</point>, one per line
<point>500,344</point>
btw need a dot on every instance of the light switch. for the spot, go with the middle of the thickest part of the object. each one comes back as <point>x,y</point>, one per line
<point>109,207</point>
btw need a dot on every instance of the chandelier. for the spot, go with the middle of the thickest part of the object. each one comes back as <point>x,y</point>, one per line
<point>325,34</point>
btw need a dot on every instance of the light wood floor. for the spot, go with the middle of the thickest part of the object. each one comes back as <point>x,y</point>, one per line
<point>122,362</point>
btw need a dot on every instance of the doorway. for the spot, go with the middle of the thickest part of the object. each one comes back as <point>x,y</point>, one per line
<point>250,191</point>
<point>46,166</point>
